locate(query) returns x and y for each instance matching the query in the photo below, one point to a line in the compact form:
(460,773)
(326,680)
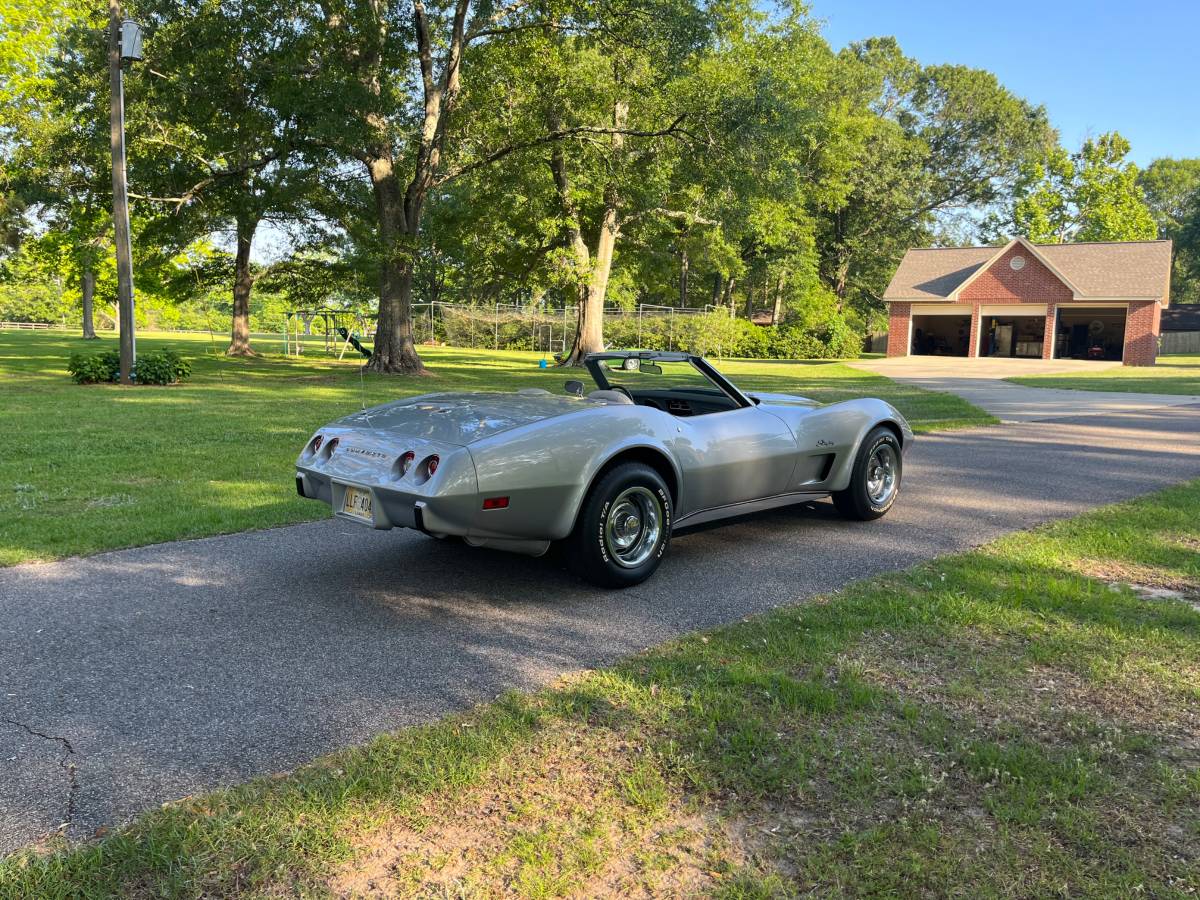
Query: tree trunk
(589,326)
(777,308)
(683,279)
(243,283)
(589,336)
(88,288)
(728,297)
(841,277)
(716,289)
(395,351)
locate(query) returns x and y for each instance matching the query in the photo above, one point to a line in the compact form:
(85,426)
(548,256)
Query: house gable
(999,282)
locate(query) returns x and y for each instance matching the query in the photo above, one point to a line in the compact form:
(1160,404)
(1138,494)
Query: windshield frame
(701,365)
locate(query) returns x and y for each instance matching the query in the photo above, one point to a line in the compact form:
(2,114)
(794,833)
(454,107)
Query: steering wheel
(623,390)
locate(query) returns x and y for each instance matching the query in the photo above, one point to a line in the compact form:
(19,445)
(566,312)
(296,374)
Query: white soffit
(1014,309)
(942,309)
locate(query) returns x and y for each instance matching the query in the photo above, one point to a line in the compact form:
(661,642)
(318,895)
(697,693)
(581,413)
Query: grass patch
(991,724)
(1171,375)
(101,466)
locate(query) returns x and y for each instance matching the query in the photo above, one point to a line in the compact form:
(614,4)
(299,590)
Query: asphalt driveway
(140,676)
(980,381)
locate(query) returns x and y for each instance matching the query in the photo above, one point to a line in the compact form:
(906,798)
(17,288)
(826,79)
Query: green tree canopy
(1092,195)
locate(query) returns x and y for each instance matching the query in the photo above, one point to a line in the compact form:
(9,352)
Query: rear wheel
(623,528)
(875,478)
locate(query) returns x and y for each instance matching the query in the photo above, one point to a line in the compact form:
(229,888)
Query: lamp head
(131,41)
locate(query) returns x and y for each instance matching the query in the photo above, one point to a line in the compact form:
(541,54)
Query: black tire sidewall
(855,497)
(591,558)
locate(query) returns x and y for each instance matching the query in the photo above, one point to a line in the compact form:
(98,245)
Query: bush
(793,342)
(842,341)
(94,368)
(162,367)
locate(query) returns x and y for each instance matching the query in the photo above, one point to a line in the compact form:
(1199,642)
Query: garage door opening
(1018,337)
(941,335)
(1097,333)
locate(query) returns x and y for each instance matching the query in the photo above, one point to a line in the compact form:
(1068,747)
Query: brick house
(1097,301)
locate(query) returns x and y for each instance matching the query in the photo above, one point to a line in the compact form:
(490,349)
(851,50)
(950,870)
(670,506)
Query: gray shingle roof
(1116,269)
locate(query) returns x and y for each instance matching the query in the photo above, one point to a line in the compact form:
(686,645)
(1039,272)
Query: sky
(1132,67)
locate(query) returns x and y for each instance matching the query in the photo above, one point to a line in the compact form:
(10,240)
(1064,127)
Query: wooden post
(116,116)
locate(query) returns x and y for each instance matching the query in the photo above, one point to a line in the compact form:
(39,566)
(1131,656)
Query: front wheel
(875,478)
(623,528)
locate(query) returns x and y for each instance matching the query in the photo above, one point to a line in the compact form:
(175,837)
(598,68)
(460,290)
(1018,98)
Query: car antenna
(362,388)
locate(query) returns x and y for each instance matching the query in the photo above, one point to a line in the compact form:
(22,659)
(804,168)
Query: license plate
(357,503)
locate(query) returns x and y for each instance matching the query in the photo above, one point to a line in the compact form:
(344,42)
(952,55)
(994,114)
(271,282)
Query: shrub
(754,342)
(94,368)
(162,367)
(841,341)
(793,342)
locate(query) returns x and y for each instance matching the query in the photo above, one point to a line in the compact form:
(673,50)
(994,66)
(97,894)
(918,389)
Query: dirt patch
(1134,575)
(1189,542)
(576,814)
(990,681)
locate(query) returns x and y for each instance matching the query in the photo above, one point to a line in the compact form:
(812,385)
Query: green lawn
(1172,375)
(1018,721)
(99,467)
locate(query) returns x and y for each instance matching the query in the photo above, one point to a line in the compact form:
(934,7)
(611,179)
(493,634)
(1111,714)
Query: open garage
(942,333)
(1012,333)
(1094,332)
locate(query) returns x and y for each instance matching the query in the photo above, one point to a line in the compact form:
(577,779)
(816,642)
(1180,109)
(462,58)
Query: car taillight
(431,465)
(333,444)
(316,443)
(405,461)
(495,503)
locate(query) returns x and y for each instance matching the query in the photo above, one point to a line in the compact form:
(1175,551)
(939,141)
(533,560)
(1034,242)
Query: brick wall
(1000,284)
(1048,334)
(1141,333)
(899,317)
(973,347)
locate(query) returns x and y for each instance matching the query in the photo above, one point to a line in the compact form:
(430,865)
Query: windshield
(672,385)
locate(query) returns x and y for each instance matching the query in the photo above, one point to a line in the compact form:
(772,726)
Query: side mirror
(574,388)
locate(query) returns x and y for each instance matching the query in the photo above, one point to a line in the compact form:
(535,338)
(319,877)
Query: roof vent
(1017,263)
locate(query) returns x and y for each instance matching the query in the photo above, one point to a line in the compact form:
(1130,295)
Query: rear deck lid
(462,418)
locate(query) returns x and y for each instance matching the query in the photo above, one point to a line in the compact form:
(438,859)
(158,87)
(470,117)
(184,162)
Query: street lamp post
(124,44)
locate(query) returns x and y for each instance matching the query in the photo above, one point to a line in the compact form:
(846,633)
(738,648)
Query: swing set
(341,329)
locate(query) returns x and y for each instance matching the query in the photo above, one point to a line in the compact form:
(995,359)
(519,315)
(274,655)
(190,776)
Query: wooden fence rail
(1179,342)
(31,326)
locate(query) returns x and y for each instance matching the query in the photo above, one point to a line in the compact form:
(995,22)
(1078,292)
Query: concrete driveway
(980,381)
(141,676)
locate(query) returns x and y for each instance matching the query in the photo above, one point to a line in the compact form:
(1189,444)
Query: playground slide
(354,342)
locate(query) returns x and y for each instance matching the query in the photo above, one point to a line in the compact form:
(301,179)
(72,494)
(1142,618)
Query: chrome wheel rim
(633,526)
(881,474)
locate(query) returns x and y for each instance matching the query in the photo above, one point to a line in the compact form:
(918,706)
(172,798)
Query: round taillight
(333,444)
(406,461)
(431,465)
(316,443)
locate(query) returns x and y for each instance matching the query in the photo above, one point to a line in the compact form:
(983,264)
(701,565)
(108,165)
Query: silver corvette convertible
(663,441)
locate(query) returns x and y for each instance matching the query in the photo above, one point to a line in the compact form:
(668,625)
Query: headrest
(610,397)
